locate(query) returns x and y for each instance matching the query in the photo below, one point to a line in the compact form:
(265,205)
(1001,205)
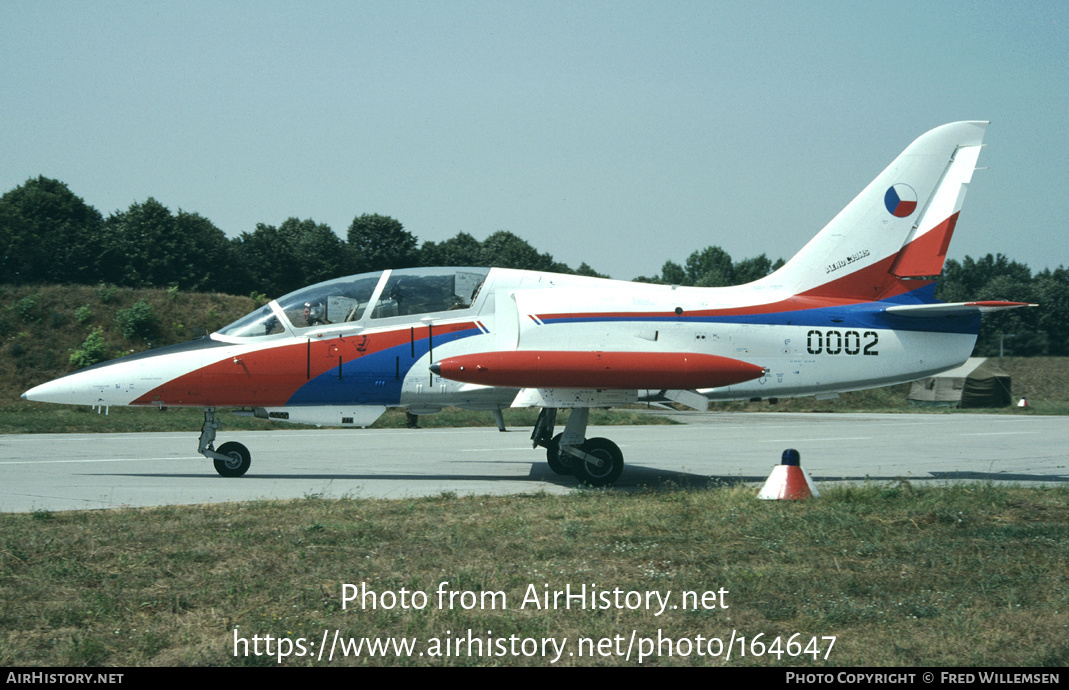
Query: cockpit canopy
(364,298)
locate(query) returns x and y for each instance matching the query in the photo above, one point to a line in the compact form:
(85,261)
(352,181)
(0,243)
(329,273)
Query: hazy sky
(622,134)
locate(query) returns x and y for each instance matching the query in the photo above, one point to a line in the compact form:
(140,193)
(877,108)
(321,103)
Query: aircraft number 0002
(839,343)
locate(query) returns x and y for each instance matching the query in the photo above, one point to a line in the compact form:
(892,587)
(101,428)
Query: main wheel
(237,461)
(604,467)
(560,463)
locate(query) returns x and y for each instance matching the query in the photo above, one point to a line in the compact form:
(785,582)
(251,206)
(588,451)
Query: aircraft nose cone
(57,391)
(436,368)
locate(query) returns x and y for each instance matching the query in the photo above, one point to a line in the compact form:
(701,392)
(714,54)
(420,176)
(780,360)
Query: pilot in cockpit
(313,314)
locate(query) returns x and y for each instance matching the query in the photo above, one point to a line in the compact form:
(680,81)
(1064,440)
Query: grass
(962,575)
(37,418)
(42,325)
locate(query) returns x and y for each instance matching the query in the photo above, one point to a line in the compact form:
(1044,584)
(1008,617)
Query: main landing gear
(232,459)
(594,461)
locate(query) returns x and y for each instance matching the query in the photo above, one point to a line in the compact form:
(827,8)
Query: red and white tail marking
(898,227)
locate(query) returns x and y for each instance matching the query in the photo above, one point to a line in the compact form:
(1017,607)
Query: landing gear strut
(232,459)
(595,461)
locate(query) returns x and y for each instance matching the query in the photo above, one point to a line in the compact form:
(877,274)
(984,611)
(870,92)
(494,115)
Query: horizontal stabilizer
(692,399)
(954,308)
(596,370)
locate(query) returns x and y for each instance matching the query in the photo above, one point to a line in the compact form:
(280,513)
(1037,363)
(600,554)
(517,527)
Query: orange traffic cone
(788,480)
(1023,402)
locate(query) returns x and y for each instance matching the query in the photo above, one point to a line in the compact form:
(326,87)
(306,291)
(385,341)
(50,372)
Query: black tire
(237,462)
(605,468)
(562,464)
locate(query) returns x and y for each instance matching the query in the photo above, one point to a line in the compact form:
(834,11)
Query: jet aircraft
(854,309)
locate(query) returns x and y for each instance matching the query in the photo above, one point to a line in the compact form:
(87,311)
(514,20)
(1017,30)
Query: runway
(93,471)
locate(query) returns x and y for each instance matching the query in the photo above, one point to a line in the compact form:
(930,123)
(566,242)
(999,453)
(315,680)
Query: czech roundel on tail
(854,309)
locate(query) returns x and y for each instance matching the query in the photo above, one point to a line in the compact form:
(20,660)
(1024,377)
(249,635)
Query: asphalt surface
(94,471)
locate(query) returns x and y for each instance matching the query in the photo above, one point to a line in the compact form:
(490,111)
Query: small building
(980,382)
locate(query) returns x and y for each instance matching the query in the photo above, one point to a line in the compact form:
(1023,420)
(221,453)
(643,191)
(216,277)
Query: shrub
(26,308)
(138,321)
(105,292)
(92,351)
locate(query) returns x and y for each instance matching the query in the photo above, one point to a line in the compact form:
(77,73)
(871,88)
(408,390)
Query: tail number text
(842,343)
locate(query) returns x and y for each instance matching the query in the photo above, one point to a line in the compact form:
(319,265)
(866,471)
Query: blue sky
(622,134)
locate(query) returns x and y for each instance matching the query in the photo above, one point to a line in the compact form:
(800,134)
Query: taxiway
(93,471)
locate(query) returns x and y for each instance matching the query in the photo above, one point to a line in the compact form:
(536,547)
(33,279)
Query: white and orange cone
(1023,402)
(789,480)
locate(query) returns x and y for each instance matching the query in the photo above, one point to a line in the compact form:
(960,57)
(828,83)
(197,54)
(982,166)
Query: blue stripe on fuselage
(375,378)
(870,315)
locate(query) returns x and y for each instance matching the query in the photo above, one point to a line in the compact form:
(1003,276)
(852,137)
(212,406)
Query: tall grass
(899,575)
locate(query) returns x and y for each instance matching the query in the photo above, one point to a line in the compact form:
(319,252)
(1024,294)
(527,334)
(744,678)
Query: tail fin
(895,230)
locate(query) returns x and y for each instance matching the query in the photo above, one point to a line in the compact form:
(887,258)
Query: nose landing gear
(232,459)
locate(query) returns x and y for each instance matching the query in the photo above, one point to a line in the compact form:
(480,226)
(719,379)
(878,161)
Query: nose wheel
(232,459)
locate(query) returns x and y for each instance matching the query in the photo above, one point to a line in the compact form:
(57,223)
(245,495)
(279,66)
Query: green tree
(711,267)
(48,235)
(508,250)
(1050,289)
(1022,324)
(461,250)
(996,277)
(749,270)
(963,281)
(585,270)
(211,264)
(148,246)
(318,253)
(671,274)
(269,260)
(380,242)
(140,245)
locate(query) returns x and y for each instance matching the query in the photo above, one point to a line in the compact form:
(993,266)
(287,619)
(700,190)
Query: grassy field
(35,418)
(41,326)
(899,576)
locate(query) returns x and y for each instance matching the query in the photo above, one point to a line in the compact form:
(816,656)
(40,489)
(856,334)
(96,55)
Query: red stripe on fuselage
(870,284)
(270,376)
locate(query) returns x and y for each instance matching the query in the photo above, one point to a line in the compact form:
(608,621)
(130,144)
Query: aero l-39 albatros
(855,308)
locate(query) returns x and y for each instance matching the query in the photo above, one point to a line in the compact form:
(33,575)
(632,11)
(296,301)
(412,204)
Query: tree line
(50,235)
